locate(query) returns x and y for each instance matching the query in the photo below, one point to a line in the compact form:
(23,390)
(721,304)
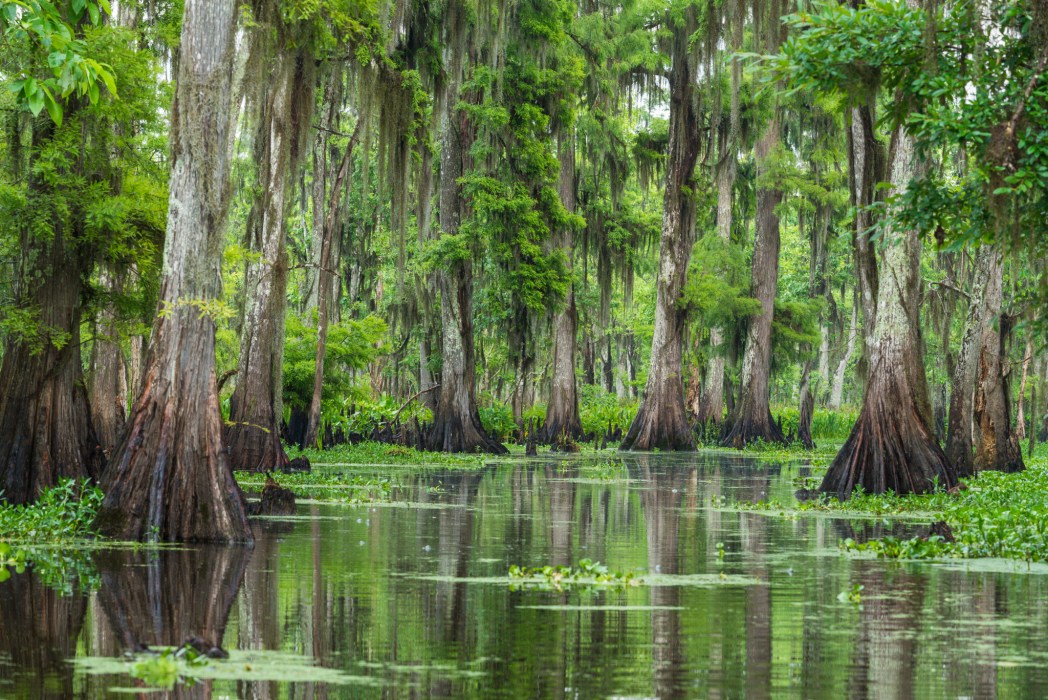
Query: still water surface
(410,599)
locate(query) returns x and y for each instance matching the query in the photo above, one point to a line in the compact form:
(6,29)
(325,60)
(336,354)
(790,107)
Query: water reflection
(39,629)
(400,600)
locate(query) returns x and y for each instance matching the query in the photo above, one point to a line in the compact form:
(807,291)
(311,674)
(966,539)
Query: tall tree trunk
(997,447)
(837,389)
(108,375)
(1020,412)
(456,421)
(169,478)
(866,170)
(327,288)
(562,410)
(988,279)
(807,408)
(45,421)
(893,446)
(661,422)
(711,404)
(256,406)
(752,421)
(1035,409)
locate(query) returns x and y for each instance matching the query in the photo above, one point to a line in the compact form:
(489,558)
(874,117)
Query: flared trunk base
(890,449)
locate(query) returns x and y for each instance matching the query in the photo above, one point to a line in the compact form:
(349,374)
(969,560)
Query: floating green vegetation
(380,454)
(587,573)
(328,484)
(165,669)
(650,579)
(169,667)
(916,508)
(602,608)
(993,515)
(63,513)
(53,536)
(853,595)
(604,470)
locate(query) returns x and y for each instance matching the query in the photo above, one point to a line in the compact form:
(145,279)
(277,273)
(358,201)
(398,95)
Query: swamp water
(411,599)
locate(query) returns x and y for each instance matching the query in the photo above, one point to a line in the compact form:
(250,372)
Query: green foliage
(497,419)
(588,573)
(49,536)
(63,513)
(600,411)
(718,286)
(965,78)
(329,484)
(52,62)
(351,346)
(834,426)
(168,668)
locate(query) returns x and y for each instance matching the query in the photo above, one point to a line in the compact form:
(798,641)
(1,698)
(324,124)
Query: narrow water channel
(410,599)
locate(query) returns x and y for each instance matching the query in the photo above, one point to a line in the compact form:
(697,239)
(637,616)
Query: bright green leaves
(351,346)
(835,47)
(515,224)
(53,61)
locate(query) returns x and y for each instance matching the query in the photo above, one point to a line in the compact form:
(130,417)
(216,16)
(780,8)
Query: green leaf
(4,574)
(35,100)
(109,80)
(53,108)
(92,10)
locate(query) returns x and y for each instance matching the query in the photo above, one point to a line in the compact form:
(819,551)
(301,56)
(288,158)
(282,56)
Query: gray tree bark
(752,421)
(893,446)
(661,422)
(256,406)
(562,413)
(169,478)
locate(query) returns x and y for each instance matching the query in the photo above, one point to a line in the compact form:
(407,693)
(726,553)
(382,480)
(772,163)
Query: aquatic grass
(993,515)
(327,484)
(379,453)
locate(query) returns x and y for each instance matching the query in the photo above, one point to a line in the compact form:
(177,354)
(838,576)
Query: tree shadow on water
(169,598)
(39,628)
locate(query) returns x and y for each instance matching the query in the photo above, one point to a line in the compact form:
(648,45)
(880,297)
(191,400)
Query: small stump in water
(276,500)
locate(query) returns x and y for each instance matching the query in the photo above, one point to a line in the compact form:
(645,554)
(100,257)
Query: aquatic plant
(169,667)
(62,513)
(378,453)
(992,515)
(586,573)
(328,485)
